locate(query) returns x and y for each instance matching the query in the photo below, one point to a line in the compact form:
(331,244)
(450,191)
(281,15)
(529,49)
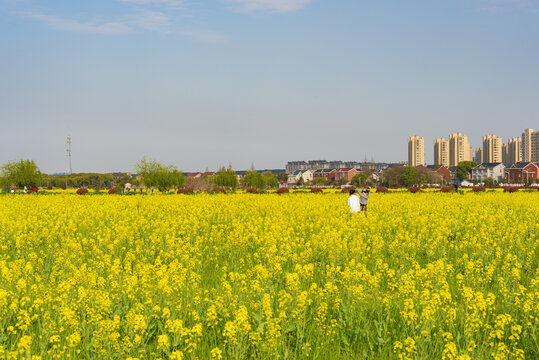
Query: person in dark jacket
(363,198)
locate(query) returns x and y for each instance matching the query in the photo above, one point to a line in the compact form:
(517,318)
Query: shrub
(446,189)
(218,189)
(82,191)
(347,189)
(316,191)
(478,188)
(251,190)
(414,189)
(282,190)
(381,189)
(510,189)
(185,191)
(49,187)
(64,187)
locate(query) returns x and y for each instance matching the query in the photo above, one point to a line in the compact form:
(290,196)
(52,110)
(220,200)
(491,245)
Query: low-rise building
(445,173)
(483,171)
(294,177)
(522,172)
(344,176)
(307,176)
(327,174)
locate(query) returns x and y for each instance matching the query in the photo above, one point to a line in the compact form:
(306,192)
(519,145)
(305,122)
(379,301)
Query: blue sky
(203,83)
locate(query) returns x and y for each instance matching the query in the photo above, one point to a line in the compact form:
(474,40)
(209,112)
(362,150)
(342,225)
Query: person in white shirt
(353,203)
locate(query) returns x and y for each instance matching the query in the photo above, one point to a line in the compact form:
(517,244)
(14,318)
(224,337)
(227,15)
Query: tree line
(150,173)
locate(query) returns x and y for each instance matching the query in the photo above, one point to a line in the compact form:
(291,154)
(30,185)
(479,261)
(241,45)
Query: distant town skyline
(201,84)
(457,148)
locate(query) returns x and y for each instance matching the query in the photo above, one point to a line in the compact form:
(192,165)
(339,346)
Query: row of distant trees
(23,173)
(411,176)
(150,173)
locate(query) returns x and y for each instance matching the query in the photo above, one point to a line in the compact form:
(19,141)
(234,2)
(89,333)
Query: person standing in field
(353,203)
(364,197)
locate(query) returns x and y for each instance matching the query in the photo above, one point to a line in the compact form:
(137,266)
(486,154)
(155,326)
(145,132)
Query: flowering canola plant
(238,276)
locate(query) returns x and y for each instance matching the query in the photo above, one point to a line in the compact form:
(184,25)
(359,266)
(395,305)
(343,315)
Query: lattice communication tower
(68,153)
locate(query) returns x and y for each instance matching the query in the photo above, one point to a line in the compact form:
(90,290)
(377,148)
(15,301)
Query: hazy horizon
(204,84)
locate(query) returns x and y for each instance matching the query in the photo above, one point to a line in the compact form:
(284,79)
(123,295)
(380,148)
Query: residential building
(327,174)
(344,176)
(307,176)
(313,165)
(294,177)
(445,173)
(527,145)
(478,158)
(459,149)
(293,166)
(441,152)
(511,151)
(416,151)
(483,171)
(523,171)
(492,149)
(535,146)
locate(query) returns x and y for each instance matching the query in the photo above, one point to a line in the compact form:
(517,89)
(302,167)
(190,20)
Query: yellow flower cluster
(235,276)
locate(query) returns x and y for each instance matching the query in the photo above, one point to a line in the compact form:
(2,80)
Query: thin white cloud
(271,5)
(207,36)
(149,20)
(107,28)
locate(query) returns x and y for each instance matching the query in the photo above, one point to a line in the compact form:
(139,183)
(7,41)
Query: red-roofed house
(344,176)
(444,173)
(327,174)
(522,172)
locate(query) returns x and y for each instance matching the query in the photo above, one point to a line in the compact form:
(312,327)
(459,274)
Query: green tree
(254,179)
(320,181)
(270,179)
(160,176)
(489,181)
(409,176)
(359,179)
(281,176)
(226,178)
(464,168)
(21,173)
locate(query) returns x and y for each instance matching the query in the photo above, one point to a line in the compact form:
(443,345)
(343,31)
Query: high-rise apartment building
(478,158)
(535,146)
(416,151)
(441,152)
(511,151)
(505,153)
(459,149)
(492,149)
(527,139)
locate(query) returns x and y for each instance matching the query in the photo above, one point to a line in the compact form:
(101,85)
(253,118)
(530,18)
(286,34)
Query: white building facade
(483,171)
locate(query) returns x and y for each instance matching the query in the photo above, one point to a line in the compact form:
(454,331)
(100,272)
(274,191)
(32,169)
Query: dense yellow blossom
(239,276)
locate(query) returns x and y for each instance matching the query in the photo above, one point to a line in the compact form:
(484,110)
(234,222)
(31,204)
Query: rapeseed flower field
(266,276)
